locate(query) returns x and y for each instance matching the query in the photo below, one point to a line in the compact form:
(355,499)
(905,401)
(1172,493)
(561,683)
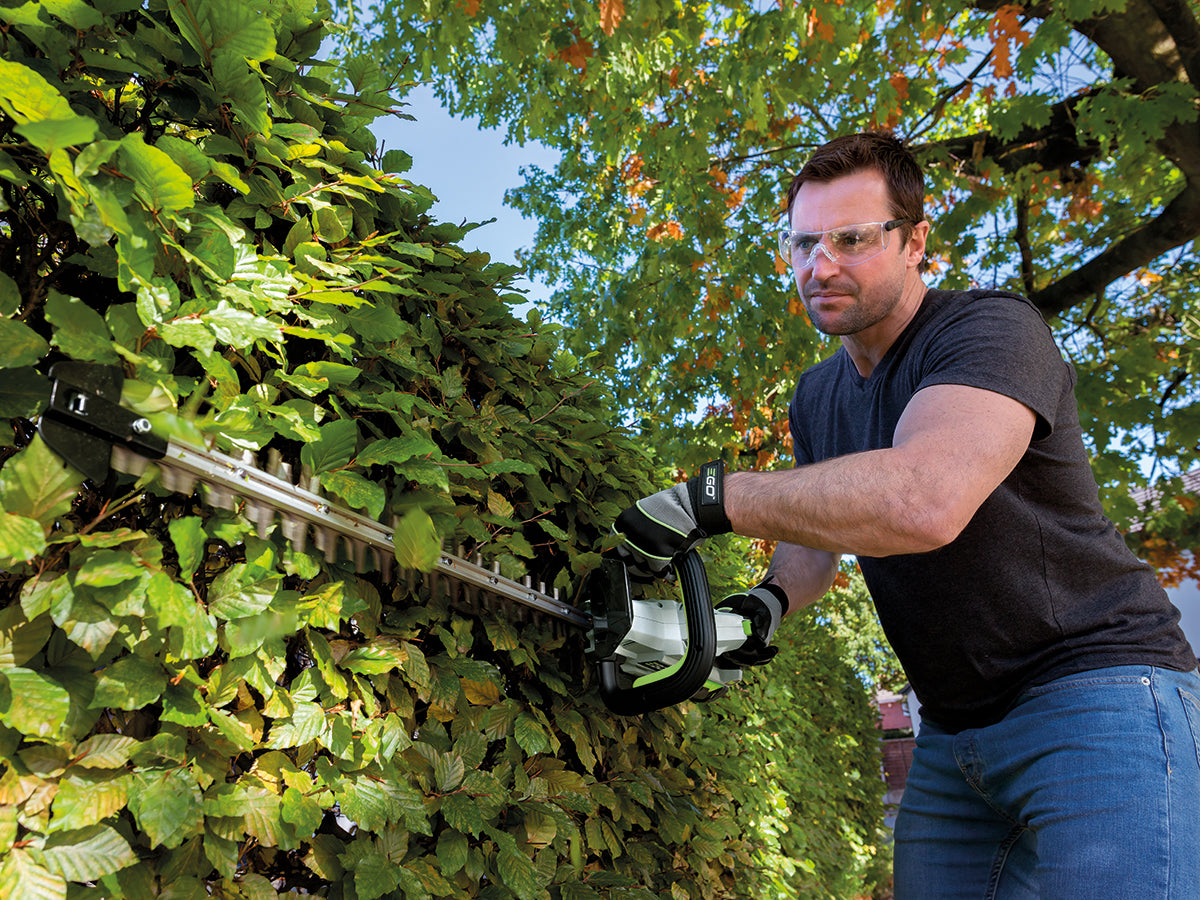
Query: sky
(469,169)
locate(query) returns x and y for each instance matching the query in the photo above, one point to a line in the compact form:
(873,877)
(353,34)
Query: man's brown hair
(878,150)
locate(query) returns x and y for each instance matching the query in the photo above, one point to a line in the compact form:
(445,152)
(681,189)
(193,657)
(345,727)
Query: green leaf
(22,878)
(332,223)
(105,751)
(75,13)
(331,374)
(10,294)
(129,683)
(394,450)
(166,805)
(239,328)
(157,179)
(37,484)
(373,659)
(452,849)
(193,630)
(449,771)
(372,804)
(187,534)
(80,332)
(88,798)
(21,639)
(461,812)
(34,104)
(88,853)
(108,568)
(23,392)
(334,449)
(375,875)
(517,871)
(356,491)
(21,539)
(304,813)
(224,26)
(21,345)
(33,704)
(241,591)
(530,735)
(416,540)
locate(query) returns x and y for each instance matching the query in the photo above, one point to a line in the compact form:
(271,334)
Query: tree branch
(1177,224)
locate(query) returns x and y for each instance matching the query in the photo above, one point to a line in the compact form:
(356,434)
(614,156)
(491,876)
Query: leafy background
(1060,141)
(190,709)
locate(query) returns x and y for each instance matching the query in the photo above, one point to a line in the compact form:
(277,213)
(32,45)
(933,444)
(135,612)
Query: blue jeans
(1088,788)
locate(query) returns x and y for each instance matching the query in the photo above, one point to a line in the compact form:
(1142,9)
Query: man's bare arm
(952,447)
(804,574)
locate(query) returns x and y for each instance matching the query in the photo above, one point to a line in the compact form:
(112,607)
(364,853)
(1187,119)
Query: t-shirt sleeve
(1002,344)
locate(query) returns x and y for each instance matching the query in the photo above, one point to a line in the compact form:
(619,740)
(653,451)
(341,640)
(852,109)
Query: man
(1059,754)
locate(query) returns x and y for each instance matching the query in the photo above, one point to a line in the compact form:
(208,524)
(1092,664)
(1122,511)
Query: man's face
(841,299)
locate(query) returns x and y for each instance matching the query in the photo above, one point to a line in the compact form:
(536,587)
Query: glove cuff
(780,595)
(707,493)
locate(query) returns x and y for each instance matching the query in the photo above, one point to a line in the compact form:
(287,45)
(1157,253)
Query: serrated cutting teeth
(124,460)
(179,481)
(294,530)
(262,497)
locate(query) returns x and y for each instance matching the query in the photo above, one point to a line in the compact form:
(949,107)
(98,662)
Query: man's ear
(915,251)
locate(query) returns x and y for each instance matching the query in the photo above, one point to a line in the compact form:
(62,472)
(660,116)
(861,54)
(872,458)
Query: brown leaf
(611,14)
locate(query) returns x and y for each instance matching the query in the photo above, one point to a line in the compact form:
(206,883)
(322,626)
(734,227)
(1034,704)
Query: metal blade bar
(265,495)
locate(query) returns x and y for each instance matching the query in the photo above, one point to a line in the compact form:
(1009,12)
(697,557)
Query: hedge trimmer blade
(87,426)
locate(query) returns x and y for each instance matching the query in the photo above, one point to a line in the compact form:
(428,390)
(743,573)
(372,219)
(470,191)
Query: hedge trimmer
(649,653)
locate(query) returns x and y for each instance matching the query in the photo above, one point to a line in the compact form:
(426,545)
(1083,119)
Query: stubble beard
(858,316)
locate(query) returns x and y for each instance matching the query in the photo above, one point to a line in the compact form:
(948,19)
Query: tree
(1062,144)
(191,707)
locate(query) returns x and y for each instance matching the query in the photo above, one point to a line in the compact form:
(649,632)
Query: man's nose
(822,260)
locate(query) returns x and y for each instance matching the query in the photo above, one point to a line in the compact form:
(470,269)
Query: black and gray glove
(763,607)
(662,526)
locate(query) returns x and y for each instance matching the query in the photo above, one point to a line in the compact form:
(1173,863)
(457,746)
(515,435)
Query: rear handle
(692,672)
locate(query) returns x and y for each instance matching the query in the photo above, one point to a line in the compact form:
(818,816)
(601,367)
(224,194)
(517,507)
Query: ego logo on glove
(710,484)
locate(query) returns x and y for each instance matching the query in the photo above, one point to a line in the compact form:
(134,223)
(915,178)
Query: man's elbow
(934,525)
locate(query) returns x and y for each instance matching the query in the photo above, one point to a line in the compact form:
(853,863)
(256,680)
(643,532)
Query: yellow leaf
(481,693)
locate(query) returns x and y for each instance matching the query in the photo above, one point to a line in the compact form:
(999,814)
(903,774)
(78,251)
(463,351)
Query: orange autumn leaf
(611,14)
(662,230)
(899,82)
(577,54)
(1004,30)
(471,7)
(818,26)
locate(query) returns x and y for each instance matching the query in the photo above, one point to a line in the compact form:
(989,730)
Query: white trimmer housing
(656,640)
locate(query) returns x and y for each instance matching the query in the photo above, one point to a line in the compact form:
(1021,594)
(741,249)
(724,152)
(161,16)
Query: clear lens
(847,245)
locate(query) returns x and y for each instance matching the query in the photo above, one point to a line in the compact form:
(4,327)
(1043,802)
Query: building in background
(899,722)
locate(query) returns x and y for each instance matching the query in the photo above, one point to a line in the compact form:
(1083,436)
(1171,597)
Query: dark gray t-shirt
(1040,584)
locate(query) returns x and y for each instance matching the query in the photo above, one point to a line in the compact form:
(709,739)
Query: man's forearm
(865,504)
(804,574)
(952,446)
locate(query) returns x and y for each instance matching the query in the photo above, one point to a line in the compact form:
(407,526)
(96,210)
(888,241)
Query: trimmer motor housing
(655,653)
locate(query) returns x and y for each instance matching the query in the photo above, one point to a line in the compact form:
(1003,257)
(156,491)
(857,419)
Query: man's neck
(868,347)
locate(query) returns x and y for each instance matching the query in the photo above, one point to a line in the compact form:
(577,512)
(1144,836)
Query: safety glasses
(846,245)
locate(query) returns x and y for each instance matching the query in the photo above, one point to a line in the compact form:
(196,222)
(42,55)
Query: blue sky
(468,169)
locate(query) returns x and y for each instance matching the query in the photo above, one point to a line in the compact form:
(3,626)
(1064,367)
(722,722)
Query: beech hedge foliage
(189,709)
